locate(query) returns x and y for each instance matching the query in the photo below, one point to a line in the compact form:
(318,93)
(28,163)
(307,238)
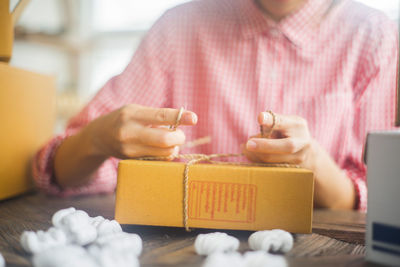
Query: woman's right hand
(134,131)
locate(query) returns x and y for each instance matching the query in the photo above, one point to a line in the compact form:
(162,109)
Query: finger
(282,122)
(160,137)
(276,146)
(163,116)
(249,155)
(136,151)
(297,158)
(174,153)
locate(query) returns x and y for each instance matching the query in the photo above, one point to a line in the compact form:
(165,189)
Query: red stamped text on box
(219,201)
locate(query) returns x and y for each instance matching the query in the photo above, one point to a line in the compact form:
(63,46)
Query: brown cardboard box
(27,115)
(7,21)
(220,196)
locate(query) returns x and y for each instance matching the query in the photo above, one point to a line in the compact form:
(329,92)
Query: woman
(326,68)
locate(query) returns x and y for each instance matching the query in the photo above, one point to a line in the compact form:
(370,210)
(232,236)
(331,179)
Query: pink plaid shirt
(333,65)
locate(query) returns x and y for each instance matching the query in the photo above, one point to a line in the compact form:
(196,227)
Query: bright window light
(128,15)
(390,7)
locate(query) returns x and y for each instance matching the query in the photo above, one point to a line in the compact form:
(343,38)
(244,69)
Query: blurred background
(85,42)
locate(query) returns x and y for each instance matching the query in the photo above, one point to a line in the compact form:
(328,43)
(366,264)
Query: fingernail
(251,145)
(265,117)
(189,118)
(194,118)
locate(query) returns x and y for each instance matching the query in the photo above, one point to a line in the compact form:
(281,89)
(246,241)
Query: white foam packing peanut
(64,256)
(62,245)
(220,259)
(105,226)
(117,250)
(59,215)
(108,257)
(121,242)
(206,244)
(77,225)
(250,259)
(2,261)
(271,240)
(262,258)
(35,242)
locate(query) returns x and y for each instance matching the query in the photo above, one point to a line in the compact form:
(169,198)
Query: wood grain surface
(337,238)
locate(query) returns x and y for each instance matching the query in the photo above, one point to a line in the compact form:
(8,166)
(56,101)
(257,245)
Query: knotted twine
(192,159)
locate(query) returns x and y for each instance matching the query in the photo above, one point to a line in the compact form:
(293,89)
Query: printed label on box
(219,201)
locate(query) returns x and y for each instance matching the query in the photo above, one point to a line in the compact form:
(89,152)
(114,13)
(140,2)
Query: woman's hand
(290,141)
(129,132)
(136,131)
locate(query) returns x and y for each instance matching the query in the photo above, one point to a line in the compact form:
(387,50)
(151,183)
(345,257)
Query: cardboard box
(220,196)
(383,216)
(7,21)
(27,116)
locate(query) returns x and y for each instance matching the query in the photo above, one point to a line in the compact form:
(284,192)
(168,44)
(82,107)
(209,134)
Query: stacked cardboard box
(27,112)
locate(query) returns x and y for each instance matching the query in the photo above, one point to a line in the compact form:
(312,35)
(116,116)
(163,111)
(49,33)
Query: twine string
(178,119)
(197,158)
(192,159)
(268,134)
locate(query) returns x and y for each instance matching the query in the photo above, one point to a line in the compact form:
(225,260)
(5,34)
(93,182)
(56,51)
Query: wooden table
(337,238)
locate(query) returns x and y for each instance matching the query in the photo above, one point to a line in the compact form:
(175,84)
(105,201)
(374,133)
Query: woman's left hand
(290,141)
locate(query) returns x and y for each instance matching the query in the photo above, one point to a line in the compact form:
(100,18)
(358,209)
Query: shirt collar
(300,27)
